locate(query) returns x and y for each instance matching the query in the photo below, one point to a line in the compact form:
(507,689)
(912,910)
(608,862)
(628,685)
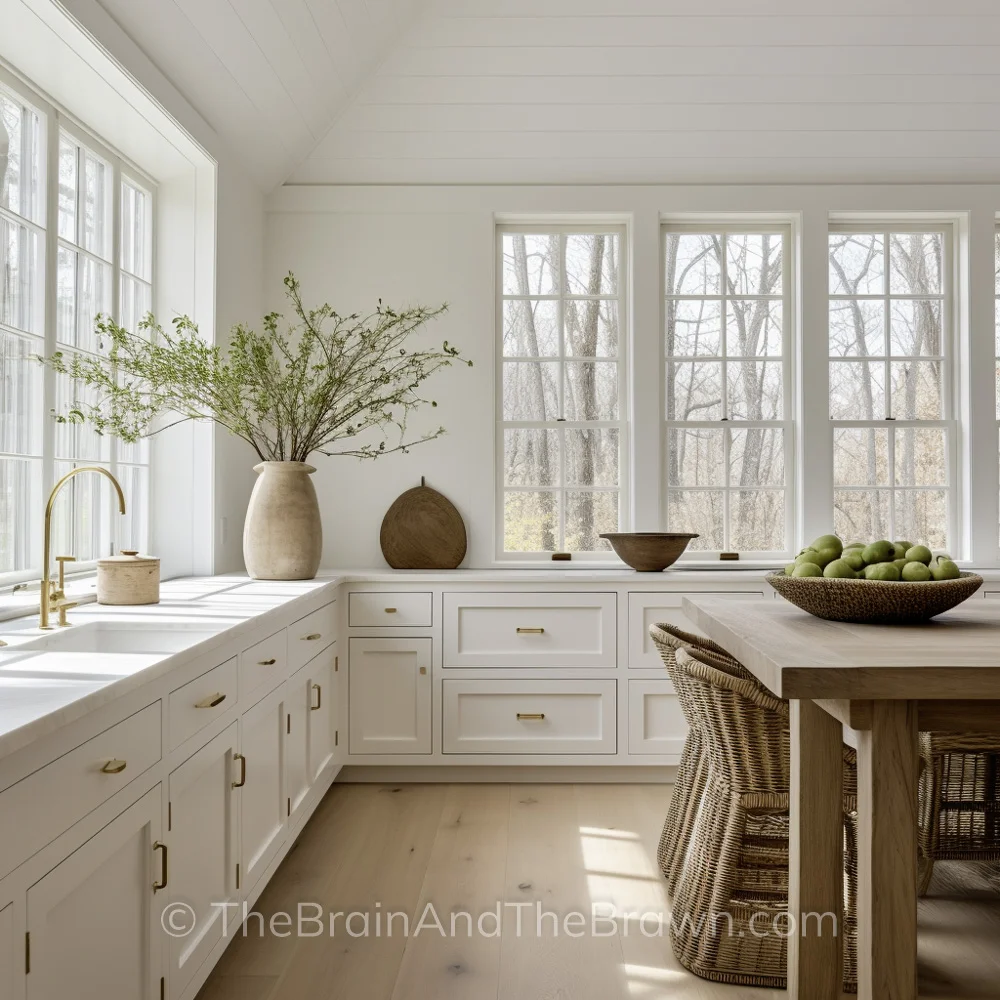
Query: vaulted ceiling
(581,91)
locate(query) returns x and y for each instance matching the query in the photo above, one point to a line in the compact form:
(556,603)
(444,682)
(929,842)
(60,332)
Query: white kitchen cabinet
(203,842)
(656,722)
(298,694)
(11,955)
(323,708)
(94,920)
(390,696)
(263,804)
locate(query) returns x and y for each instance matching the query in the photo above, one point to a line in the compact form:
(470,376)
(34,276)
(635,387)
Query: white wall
(350,245)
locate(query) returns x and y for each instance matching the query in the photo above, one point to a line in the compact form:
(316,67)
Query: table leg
(815,853)
(887,853)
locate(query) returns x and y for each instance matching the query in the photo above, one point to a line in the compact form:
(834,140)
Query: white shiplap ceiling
(582,91)
(585,91)
(270,76)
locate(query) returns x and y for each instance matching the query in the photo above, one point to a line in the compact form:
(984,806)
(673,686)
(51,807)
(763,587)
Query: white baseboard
(528,774)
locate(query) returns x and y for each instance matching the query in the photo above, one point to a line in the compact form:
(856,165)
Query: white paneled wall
(431,244)
(612,91)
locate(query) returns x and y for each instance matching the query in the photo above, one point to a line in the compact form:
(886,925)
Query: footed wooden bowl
(874,602)
(648,551)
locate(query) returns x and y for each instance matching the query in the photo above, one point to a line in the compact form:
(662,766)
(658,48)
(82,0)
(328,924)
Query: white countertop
(42,690)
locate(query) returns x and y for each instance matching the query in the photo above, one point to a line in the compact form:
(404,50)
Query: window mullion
(561,321)
(112,518)
(51,181)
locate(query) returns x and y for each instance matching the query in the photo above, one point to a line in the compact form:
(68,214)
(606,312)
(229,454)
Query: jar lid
(128,557)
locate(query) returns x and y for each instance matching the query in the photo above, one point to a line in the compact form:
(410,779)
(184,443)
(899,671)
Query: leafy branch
(294,389)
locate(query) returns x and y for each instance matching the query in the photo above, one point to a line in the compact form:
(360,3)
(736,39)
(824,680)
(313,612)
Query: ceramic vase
(283,533)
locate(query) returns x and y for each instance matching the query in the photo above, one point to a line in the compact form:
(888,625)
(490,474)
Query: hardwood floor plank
(465,874)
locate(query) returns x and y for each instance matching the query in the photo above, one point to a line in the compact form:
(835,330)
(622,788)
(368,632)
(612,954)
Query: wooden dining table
(886,683)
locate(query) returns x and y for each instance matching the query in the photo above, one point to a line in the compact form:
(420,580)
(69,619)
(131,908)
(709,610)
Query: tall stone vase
(283,533)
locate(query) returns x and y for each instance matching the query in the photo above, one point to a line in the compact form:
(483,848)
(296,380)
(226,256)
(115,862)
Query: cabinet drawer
(45,804)
(536,717)
(201,701)
(264,666)
(656,724)
(656,609)
(529,630)
(380,610)
(311,635)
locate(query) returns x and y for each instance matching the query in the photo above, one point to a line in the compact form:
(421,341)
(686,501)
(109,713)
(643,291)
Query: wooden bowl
(874,602)
(648,551)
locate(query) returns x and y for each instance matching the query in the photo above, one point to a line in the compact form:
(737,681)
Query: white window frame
(950,400)
(54,120)
(581,225)
(735,227)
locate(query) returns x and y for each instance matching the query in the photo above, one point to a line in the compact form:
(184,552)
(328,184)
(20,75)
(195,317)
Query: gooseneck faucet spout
(54,596)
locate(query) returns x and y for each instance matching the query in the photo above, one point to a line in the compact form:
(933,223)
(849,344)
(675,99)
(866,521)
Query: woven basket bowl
(874,602)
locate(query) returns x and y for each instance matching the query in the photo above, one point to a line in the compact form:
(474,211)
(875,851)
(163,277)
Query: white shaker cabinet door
(203,854)
(94,920)
(390,696)
(297,777)
(263,802)
(323,708)
(11,956)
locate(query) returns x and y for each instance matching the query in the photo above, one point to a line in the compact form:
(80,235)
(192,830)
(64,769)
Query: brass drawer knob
(312,637)
(531,631)
(531,715)
(423,671)
(267,663)
(211,701)
(114,767)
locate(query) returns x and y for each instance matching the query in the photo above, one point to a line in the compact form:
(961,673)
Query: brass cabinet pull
(243,770)
(531,715)
(313,637)
(211,701)
(319,698)
(164,871)
(390,611)
(423,671)
(530,631)
(267,663)
(114,767)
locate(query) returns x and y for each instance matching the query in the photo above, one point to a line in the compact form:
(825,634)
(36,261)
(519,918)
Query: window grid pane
(725,392)
(889,356)
(561,381)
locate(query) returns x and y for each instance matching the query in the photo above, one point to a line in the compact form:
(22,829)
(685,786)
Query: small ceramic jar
(128,578)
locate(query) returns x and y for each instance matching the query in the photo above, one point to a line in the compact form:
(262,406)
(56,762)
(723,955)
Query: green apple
(900,563)
(828,542)
(945,569)
(916,572)
(824,556)
(919,553)
(840,569)
(878,552)
(810,558)
(807,569)
(853,558)
(882,571)
(901,548)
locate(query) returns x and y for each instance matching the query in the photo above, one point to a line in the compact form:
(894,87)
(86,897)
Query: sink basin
(122,637)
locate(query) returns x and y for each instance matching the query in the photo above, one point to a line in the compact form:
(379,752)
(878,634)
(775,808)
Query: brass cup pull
(531,715)
(114,767)
(531,631)
(319,698)
(267,663)
(164,871)
(243,770)
(211,701)
(390,611)
(313,637)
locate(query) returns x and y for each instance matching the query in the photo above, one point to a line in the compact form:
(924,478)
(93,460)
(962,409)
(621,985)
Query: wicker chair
(731,892)
(959,800)
(689,782)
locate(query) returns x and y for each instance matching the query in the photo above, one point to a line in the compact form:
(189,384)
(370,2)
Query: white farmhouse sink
(122,637)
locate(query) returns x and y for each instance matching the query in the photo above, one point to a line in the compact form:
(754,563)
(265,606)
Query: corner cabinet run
(561,673)
(131,838)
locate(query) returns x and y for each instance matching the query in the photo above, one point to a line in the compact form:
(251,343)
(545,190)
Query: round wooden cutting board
(423,530)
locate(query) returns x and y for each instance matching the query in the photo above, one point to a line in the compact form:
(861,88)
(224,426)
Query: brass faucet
(54,595)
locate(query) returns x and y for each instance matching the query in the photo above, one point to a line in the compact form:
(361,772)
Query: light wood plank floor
(381,848)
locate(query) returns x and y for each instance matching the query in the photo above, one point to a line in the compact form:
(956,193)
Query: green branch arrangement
(321,379)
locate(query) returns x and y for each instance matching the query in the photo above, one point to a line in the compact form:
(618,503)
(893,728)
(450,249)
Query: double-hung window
(71,208)
(727,387)
(891,403)
(561,395)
